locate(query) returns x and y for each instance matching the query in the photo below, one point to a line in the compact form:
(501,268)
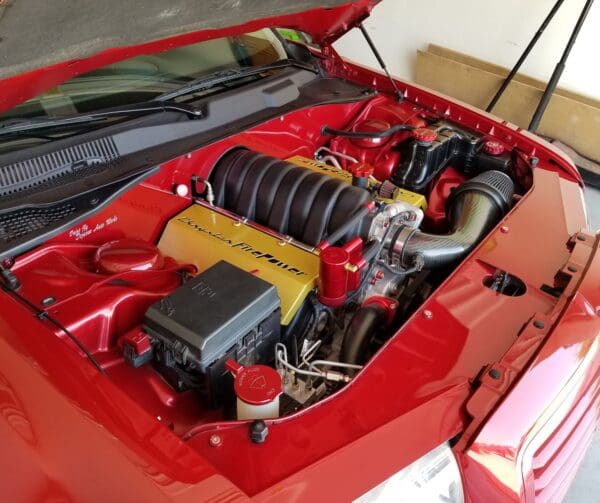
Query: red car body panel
(70,433)
(531,446)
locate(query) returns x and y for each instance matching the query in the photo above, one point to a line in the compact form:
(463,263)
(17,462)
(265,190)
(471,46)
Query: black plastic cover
(422,161)
(212,312)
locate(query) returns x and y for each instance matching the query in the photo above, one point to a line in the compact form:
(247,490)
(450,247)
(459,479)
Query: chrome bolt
(427,314)
(48,301)
(215,440)
(504,229)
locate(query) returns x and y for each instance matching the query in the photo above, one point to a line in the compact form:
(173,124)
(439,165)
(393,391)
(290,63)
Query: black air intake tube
(474,209)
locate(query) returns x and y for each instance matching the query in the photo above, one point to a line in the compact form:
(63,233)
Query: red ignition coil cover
(256,384)
(425,135)
(125,255)
(493,147)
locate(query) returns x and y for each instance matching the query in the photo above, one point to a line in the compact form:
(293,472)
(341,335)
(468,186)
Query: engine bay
(257,276)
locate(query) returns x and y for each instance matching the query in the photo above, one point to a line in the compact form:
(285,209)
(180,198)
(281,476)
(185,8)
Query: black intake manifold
(304,204)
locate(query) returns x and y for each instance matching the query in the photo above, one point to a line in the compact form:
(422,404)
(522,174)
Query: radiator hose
(360,332)
(473,209)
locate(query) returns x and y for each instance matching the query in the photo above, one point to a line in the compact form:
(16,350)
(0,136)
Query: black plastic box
(224,312)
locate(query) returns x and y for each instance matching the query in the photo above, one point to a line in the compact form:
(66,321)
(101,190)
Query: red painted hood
(39,52)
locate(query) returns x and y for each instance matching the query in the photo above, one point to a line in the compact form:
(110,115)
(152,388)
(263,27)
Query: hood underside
(43,44)
(38,34)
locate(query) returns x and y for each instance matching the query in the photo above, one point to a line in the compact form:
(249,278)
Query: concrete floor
(586,487)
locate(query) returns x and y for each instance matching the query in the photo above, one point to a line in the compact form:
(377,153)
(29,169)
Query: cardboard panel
(571,118)
(502,72)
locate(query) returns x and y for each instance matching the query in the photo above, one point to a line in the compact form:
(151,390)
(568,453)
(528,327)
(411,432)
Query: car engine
(303,265)
(274,280)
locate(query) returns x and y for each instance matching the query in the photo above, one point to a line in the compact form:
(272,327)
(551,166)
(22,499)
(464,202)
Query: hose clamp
(398,243)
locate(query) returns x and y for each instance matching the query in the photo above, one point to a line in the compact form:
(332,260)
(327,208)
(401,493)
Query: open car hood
(46,43)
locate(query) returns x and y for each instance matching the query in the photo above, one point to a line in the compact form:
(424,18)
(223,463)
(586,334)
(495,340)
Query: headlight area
(434,477)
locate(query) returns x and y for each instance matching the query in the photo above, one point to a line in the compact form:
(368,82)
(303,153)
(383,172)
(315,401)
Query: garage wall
(492,30)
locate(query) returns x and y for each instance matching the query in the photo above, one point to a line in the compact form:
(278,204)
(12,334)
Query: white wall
(493,30)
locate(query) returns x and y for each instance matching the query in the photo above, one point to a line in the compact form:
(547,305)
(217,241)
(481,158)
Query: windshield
(144,77)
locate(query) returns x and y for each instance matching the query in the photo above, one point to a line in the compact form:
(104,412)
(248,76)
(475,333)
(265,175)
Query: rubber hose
(360,332)
(326,130)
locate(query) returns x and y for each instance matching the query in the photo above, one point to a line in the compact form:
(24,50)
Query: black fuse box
(223,312)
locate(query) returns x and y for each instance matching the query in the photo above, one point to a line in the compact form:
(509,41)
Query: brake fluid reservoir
(257,388)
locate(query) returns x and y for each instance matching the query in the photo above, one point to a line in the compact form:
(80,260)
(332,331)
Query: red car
(236,266)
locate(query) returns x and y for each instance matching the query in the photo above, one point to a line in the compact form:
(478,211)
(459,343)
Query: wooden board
(571,118)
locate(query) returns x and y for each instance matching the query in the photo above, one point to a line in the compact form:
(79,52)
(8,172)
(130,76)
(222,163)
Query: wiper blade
(162,103)
(20,126)
(224,76)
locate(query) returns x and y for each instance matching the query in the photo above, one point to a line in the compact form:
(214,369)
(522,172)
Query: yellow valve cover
(409,197)
(201,236)
(321,167)
(417,200)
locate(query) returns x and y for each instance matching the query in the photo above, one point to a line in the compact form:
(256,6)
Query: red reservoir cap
(425,135)
(256,384)
(361,170)
(493,147)
(125,255)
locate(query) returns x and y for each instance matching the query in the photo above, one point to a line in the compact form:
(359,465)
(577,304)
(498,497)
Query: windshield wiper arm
(162,103)
(224,76)
(18,126)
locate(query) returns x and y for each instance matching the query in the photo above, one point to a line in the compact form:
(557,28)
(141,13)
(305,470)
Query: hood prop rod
(377,55)
(558,70)
(524,56)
